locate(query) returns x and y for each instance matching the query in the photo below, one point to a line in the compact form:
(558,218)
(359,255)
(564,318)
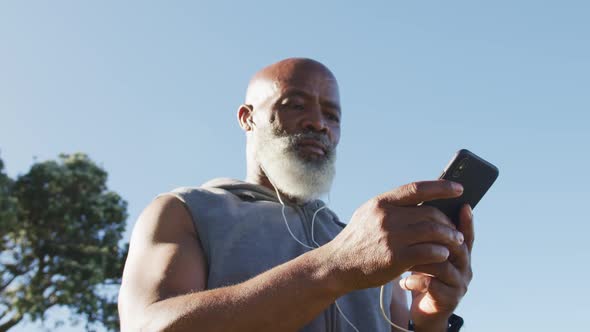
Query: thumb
(416,282)
(417,192)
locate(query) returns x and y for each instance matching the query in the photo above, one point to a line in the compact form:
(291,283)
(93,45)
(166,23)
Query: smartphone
(474,173)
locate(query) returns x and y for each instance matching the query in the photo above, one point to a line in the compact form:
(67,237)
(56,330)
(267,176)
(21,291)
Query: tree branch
(14,269)
(2,287)
(11,322)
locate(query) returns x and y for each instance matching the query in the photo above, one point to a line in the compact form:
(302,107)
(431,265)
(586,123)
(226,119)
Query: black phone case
(474,173)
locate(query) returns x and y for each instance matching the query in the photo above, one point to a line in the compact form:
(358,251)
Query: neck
(255,174)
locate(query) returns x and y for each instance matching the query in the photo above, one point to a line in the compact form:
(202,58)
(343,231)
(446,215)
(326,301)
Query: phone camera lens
(459,170)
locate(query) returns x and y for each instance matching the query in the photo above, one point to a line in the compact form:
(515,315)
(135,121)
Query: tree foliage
(61,229)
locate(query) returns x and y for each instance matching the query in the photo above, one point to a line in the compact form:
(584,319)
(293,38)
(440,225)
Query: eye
(333,117)
(292,106)
(293,103)
(298,107)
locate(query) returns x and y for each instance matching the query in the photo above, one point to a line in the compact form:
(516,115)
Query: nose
(314,120)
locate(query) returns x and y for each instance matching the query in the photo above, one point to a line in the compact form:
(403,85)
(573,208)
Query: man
(266,255)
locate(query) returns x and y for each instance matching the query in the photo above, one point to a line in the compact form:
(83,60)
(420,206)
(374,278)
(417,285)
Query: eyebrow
(302,93)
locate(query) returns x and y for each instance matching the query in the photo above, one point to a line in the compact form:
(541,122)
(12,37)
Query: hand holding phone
(474,173)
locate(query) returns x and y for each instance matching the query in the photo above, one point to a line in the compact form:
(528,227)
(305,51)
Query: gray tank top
(243,234)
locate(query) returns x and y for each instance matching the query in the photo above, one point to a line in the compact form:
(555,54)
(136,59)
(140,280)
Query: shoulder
(337,221)
(165,242)
(198,195)
(335,218)
(165,216)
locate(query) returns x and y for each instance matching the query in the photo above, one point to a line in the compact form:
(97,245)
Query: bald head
(293,72)
(292,120)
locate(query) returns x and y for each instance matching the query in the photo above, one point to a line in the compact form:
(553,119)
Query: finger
(416,283)
(431,213)
(431,232)
(466,226)
(424,253)
(460,257)
(446,295)
(446,272)
(418,192)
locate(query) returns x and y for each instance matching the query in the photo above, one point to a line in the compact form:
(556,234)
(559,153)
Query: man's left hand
(438,288)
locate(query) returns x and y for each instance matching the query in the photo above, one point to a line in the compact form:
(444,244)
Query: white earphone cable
(285,219)
(318,245)
(385,314)
(305,245)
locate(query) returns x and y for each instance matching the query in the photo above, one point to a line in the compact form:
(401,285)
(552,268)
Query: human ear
(245,115)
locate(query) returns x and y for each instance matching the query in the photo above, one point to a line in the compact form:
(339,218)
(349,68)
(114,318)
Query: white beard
(287,170)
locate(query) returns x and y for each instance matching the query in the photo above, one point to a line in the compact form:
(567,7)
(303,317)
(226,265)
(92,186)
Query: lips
(313,146)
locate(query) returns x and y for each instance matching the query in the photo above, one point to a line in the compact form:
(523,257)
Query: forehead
(307,77)
(314,83)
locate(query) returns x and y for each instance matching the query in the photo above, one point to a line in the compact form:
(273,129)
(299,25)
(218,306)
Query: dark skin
(294,96)
(386,236)
(309,100)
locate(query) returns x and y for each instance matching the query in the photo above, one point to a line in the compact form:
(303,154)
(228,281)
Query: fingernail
(457,187)
(470,211)
(402,283)
(460,237)
(446,254)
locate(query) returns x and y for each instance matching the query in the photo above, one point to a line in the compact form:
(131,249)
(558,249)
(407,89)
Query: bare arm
(165,277)
(163,285)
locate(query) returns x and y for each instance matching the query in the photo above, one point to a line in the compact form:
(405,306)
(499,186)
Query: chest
(250,238)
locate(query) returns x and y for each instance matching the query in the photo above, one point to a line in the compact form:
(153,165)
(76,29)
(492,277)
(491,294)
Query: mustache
(296,139)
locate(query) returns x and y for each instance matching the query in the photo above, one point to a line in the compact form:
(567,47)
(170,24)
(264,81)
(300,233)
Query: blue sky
(150,90)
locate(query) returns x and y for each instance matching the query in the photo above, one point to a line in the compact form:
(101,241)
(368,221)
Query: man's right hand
(390,234)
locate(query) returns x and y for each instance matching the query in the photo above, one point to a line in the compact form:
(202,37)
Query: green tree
(61,229)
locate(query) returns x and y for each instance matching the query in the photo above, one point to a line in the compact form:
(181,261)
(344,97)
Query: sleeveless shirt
(243,234)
